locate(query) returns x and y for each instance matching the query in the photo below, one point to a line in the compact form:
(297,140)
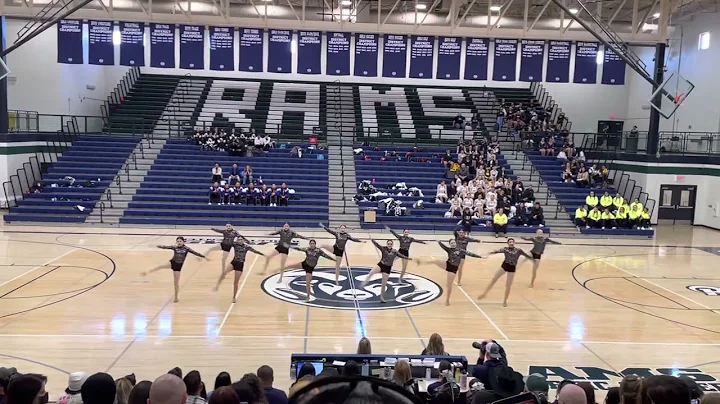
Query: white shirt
(562,155)
(441,190)
(259,141)
(217,170)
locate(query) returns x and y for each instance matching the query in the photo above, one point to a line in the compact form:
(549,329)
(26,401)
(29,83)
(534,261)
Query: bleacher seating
(175,190)
(425,176)
(141,108)
(571,196)
(90,158)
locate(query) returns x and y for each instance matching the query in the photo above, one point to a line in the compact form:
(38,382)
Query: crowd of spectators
(239,143)
(490,379)
(480,192)
(612,212)
(247,190)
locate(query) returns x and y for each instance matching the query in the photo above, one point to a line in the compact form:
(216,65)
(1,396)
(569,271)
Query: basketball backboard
(673,92)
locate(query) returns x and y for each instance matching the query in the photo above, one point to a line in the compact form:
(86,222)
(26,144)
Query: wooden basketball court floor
(72,298)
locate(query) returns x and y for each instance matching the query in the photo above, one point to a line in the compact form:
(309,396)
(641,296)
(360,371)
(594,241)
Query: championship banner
(585,62)
(476,58)
(613,69)
(505,59)
(448,64)
(100,43)
(532,53)
(366,55)
(558,63)
(421,56)
(394,56)
(250,58)
(162,45)
(309,52)
(280,51)
(132,43)
(221,48)
(69,42)
(192,45)
(338,53)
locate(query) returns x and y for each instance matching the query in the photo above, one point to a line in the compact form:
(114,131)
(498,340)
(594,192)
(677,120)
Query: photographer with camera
(492,355)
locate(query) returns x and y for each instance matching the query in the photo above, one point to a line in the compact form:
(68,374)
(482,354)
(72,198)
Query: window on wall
(704,41)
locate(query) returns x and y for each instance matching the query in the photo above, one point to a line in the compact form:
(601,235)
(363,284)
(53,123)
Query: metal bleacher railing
(117,96)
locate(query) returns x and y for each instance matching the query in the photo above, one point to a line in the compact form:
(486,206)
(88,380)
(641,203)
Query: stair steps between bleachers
(341,178)
(181,108)
(130,180)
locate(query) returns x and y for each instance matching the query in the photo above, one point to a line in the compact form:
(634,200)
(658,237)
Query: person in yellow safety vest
(634,216)
(591,200)
(607,219)
(619,201)
(645,219)
(637,203)
(594,219)
(621,218)
(581,214)
(606,200)
(500,221)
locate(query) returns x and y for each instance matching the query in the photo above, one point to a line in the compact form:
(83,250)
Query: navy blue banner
(309,52)
(505,59)
(192,47)
(448,64)
(132,45)
(394,56)
(69,42)
(338,54)
(221,48)
(585,62)
(250,58)
(476,58)
(421,56)
(558,63)
(100,43)
(532,54)
(613,68)
(280,51)
(366,54)
(162,45)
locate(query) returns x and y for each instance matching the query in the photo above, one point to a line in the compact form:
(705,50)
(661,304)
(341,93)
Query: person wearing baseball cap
(493,358)
(536,383)
(72,392)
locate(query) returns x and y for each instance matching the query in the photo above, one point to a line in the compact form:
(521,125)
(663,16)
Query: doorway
(677,203)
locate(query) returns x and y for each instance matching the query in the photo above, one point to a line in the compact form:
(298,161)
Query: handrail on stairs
(108,196)
(118,182)
(102,209)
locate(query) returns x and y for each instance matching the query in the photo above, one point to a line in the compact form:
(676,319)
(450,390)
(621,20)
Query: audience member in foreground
(224,395)
(99,389)
(27,389)
(168,389)
(274,396)
(140,393)
(710,398)
(72,392)
(194,385)
(665,389)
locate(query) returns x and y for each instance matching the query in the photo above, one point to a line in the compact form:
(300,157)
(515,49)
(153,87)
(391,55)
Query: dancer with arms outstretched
(455,256)
(283,248)
(180,252)
(462,240)
(341,239)
(229,234)
(388,256)
(539,243)
(241,247)
(509,265)
(405,242)
(312,256)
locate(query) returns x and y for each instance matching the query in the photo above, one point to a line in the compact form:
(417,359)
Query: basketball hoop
(671,94)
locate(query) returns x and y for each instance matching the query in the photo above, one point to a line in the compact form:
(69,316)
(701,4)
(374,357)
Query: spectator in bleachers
(645,219)
(168,389)
(459,121)
(296,152)
(583,178)
(274,396)
(247,175)
(594,173)
(441,195)
(455,206)
(500,221)
(619,201)
(606,201)
(491,202)
(467,219)
(572,394)
(537,216)
(621,218)
(274,195)
(562,157)
(634,216)
(664,389)
(215,194)
(252,194)
(463,174)
(283,195)
(235,174)
(446,159)
(546,148)
(607,219)
(221,380)
(217,173)
(268,143)
(591,200)
(265,194)
(25,389)
(228,194)
(637,204)
(99,389)
(594,218)
(569,148)
(140,393)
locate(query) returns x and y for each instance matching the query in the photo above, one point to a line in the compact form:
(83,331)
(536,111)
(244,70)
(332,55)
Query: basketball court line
(240,288)
(409,339)
(505,337)
(38,267)
(658,286)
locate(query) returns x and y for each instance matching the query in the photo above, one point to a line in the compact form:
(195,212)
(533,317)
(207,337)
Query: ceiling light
(656,15)
(495,8)
(421,6)
(346,2)
(573,11)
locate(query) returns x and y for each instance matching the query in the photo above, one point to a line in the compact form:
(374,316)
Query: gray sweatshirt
(180,252)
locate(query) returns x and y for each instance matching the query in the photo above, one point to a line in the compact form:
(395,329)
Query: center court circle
(349,295)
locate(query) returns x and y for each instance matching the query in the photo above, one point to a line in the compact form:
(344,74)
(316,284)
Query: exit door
(677,203)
